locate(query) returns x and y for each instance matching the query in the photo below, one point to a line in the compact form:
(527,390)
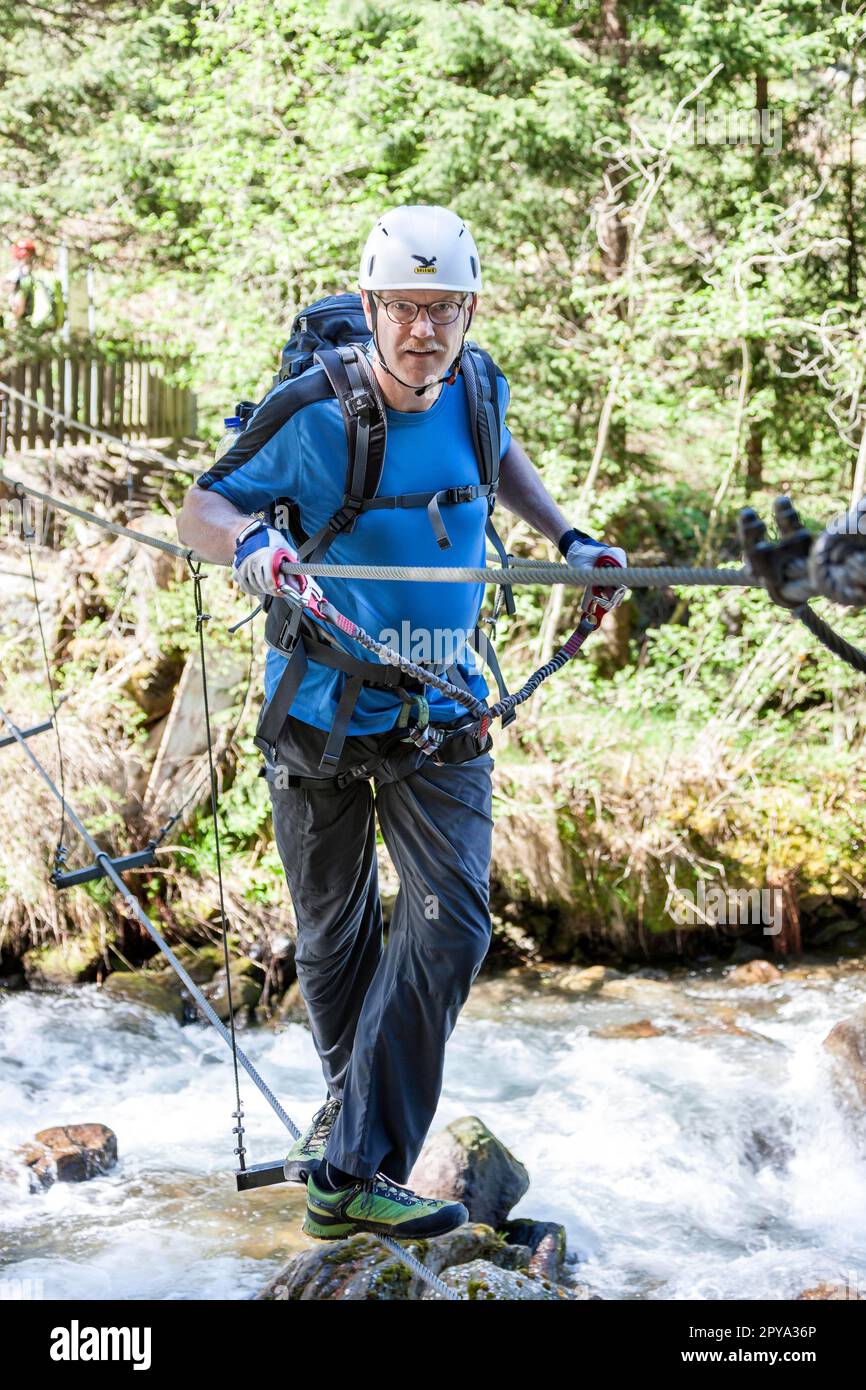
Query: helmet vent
(474,265)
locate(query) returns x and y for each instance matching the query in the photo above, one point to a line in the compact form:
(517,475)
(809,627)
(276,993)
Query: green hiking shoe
(307,1153)
(378,1205)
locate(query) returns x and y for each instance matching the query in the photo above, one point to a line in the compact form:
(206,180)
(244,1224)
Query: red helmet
(22,249)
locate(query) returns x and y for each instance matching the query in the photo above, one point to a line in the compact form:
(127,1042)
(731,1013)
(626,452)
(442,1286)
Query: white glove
(259,553)
(585,553)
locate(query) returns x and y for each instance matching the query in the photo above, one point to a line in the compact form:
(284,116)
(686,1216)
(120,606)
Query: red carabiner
(598,601)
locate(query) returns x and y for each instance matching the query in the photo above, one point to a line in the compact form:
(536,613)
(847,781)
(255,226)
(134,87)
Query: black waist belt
(466,738)
(358,673)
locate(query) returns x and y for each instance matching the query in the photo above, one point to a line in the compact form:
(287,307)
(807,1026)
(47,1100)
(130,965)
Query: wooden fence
(129,397)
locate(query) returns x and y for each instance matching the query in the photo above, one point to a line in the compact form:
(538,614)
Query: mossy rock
(200,962)
(71,962)
(248,969)
(291,1008)
(246,987)
(482,1281)
(159,990)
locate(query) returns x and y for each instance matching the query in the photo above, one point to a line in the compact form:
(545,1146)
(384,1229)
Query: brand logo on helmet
(427,266)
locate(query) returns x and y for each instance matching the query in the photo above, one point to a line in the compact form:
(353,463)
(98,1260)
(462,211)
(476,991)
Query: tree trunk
(782,884)
(754,479)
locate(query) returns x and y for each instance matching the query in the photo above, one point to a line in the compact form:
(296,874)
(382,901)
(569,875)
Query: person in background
(31,299)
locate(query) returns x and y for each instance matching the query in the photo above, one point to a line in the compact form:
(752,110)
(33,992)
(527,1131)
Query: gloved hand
(259,553)
(587,552)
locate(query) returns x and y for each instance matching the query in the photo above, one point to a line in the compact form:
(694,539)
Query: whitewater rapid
(687,1165)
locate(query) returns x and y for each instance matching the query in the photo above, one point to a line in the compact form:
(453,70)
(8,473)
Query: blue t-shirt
(303,457)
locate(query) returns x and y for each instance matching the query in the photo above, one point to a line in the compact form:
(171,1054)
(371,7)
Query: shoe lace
(324,1119)
(380,1186)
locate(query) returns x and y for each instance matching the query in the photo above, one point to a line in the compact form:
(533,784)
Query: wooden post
(32,389)
(84,416)
(73,407)
(134,397)
(121,396)
(18,411)
(66,393)
(52,401)
(110,384)
(98,405)
(46,424)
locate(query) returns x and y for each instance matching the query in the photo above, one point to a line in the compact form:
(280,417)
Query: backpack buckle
(349,511)
(461,494)
(360,403)
(287,647)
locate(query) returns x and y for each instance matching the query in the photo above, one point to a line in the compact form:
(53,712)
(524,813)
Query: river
(708,1162)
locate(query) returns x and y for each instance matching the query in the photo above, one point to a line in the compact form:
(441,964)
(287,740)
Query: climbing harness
(469,735)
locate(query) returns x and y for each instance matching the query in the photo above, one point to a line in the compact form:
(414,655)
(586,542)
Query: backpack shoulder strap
(362,416)
(366,430)
(483,398)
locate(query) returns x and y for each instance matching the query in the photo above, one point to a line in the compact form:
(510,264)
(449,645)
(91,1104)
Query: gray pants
(381,1015)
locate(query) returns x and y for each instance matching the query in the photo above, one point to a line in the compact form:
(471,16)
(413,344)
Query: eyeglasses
(405,311)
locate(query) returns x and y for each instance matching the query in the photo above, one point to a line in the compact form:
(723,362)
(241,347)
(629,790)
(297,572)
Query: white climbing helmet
(420,247)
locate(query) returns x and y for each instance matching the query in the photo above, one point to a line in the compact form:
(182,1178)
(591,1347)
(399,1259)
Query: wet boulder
(247,981)
(200,962)
(846,1044)
(362,1268)
(545,1242)
(159,990)
(467,1163)
(755,972)
(73,961)
(69,1153)
(584,981)
(826,1292)
(292,1008)
(482,1281)
(639,1028)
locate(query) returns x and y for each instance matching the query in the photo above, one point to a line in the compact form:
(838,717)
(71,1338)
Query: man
(30,298)
(380,1017)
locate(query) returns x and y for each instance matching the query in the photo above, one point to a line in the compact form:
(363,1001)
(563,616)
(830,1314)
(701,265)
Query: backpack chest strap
(452,496)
